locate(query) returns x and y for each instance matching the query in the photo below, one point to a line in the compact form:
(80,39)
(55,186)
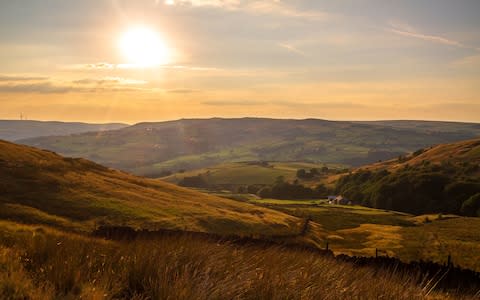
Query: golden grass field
(357,230)
(37,262)
(65,199)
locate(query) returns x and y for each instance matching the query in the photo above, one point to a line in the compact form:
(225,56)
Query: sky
(70,60)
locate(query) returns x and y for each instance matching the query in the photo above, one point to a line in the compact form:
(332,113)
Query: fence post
(326,248)
(449,260)
(376,252)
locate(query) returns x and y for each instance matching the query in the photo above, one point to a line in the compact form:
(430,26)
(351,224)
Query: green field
(357,230)
(247,173)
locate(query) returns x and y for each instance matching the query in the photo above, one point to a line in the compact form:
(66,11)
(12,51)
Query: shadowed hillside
(12,130)
(42,187)
(440,179)
(154,148)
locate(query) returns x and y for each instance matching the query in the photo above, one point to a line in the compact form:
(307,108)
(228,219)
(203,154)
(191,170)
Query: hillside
(153,148)
(12,130)
(460,153)
(441,179)
(42,187)
(358,230)
(236,174)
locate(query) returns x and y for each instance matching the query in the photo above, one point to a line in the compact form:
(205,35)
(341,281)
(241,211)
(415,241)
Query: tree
(301,173)
(194,181)
(265,192)
(471,207)
(280,180)
(321,190)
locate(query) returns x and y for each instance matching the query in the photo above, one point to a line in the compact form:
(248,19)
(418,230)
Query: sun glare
(143,47)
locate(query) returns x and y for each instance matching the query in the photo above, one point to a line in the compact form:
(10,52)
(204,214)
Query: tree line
(428,188)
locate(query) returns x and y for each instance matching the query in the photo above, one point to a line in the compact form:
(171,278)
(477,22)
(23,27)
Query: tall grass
(39,263)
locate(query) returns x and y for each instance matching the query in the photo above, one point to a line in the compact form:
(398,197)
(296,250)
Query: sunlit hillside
(42,187)
(462,154)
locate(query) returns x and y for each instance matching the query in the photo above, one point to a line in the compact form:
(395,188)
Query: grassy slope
(244,173)
(150,148)
(357,230)
(12,130)
(458,153)
(43,187)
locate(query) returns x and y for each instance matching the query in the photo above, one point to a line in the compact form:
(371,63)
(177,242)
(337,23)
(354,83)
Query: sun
(143,47)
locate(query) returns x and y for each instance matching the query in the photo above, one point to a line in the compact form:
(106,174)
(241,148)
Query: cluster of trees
(279,190)
(294,191)
(197,181)
(428,188)
(312,173)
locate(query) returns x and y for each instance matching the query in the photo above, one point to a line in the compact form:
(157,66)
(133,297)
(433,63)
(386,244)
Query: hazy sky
(343,60)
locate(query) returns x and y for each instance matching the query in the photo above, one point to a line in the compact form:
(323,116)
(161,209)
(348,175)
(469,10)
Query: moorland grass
(41,263)
(354,230)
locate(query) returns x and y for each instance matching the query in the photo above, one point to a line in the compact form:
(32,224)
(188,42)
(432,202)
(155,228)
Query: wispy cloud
(292,49)
(38,88)
(21,78)
(87,85)
(270,7)
(92,66)
(286,103)
(181,91)
(408,31)
(110,81)
(101,66)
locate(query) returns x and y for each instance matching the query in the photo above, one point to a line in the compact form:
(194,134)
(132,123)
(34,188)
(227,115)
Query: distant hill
(12,130)
(39,186)
(441,179)
(153,148)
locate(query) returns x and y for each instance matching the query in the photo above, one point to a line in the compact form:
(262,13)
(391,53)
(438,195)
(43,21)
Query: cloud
(316,105)
(277,8)
(21,78)
(181,91)
(40,88)
(409,31)
(87,85)
(92,66)
(266,7)
(109,66)
(472,61)
(233,102)
(110,81)
(292,49)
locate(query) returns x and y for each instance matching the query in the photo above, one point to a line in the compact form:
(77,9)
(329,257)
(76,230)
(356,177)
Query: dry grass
(42,187)
(37,262)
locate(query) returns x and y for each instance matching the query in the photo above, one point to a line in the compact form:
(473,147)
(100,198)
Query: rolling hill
(247,173)
(440,179)
(42,187)
(460,153)
(152,148)
(12,130)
